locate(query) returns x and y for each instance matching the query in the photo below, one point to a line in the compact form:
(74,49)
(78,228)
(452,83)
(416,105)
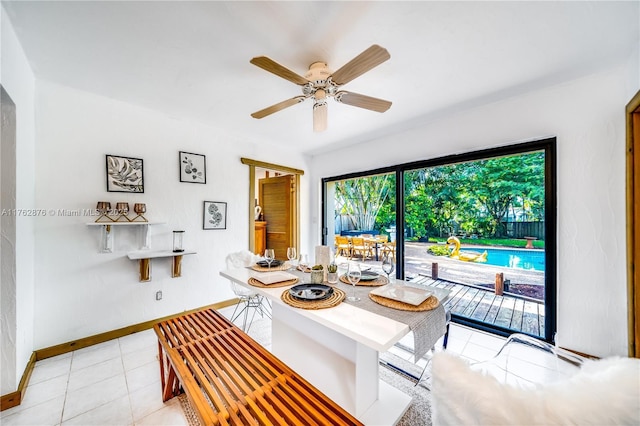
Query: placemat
(305,270)
(335,299)
(285,266)
(430,303)
(381,280)
(254,282)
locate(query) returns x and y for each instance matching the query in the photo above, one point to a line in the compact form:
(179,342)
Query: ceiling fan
(319,83)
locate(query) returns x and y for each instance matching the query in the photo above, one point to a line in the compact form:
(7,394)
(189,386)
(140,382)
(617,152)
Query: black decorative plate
(369,276)
(265,264)
(311,291)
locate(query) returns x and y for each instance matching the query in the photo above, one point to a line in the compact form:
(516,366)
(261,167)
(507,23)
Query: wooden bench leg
(168,377)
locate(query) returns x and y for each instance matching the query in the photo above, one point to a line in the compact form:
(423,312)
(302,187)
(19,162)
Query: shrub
(438,250)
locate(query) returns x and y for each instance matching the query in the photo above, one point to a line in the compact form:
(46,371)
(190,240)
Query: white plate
(413,296)
(267,278)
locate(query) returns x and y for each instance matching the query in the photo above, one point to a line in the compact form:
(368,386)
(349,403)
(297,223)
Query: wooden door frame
(252,196)
(633,217)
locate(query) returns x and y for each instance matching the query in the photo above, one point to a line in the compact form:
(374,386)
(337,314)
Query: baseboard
(115,334)
(15,398)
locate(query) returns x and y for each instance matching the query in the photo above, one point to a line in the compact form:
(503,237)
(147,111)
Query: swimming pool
(514,258)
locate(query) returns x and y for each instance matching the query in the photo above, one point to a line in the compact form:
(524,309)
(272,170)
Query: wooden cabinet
(261,237)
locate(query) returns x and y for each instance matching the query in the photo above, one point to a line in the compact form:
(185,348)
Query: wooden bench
(230,379)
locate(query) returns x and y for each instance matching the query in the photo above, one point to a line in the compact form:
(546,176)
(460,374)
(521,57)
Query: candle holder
(122,210)
(103,208)
(177,241)
(139,208)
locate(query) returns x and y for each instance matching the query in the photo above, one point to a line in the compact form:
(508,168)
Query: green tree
(475,196)
(362,198)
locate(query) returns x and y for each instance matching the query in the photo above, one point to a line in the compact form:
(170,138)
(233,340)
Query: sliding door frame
(548,145)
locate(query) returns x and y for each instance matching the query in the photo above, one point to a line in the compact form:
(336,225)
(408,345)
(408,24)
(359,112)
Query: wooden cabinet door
(276,197)
(261,238)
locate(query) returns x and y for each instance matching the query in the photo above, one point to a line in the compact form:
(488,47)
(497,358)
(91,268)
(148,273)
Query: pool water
(513,258)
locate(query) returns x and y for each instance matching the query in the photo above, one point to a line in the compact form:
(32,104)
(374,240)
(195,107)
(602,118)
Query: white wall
(81,292)
(18,80)
(587,116)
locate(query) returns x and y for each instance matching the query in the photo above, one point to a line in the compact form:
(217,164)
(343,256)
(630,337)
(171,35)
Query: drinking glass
(353,275)
(304,262)
(291,254)
(269,255)
(388,266)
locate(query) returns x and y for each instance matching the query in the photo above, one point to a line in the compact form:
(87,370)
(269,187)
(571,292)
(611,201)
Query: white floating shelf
(124,223)
(152,254)
(144,261)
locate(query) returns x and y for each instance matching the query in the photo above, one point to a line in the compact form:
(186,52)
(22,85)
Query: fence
(525,229)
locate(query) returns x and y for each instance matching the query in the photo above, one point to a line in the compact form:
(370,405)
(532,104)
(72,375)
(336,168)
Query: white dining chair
(247,299)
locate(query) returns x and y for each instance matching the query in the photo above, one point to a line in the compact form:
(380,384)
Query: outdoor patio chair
(359,246)
(389,248)
(247,298)
(343,247)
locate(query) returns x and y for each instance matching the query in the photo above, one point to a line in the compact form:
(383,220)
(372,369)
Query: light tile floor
(118,382)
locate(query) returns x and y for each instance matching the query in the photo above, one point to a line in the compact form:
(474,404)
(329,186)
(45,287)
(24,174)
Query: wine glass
(388,265)
(291,254)
(353,275)
(269,255)
(303,263)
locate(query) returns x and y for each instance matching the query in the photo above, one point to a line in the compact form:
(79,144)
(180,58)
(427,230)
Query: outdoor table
(530,241)
(337,349)
(375,242)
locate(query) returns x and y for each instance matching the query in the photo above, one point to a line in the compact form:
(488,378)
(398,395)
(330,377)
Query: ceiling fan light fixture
(320,115)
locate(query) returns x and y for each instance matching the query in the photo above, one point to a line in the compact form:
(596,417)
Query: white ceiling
(191,59)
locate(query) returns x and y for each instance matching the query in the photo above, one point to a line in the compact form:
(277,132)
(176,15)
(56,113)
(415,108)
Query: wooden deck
(514,313)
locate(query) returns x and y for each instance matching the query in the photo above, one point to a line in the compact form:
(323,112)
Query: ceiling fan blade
(278,107)
(277,69)
(370,58)
(320,117)
(362,101)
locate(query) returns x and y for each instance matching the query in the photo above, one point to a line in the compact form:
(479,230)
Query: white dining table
(337,350)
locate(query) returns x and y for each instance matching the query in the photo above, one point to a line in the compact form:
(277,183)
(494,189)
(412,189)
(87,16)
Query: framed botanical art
(215,215)
(124,174)
(193,167)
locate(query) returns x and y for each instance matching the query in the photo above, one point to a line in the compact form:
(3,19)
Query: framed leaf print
(124,174)
(215,215)
(192,167)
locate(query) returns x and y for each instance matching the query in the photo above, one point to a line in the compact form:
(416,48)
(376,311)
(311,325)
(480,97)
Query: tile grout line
(66,389)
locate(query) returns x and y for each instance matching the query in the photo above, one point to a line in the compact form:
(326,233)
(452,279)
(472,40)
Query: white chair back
(241,259)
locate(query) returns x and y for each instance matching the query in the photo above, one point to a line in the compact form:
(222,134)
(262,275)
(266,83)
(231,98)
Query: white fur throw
(603,392)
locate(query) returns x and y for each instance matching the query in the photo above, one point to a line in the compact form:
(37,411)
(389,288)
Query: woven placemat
(305,270)
(381,280)
(285,266)
(430,303)
(254,282)
(335,299)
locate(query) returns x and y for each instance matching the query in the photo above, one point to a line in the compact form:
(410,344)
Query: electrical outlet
(158,295)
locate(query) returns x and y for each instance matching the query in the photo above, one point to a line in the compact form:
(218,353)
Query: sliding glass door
(481,224)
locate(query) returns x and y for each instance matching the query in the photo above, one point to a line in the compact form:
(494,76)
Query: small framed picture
(124,174)
(215,215)
(193,167)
